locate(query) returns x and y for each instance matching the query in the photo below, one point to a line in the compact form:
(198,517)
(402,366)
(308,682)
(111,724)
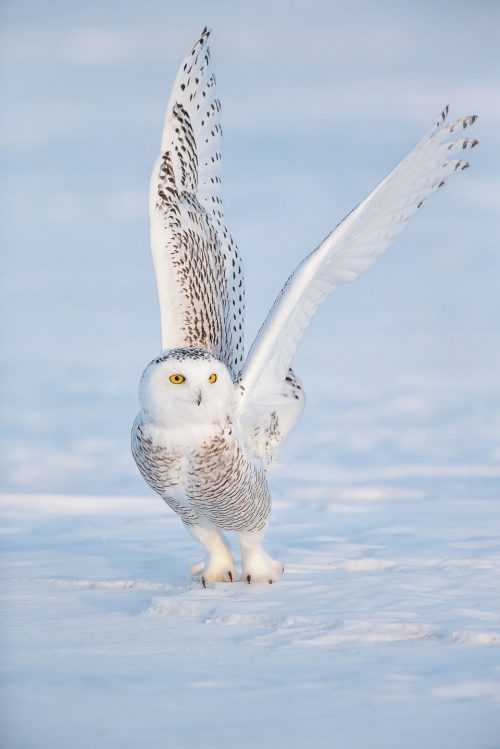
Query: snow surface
(385,630)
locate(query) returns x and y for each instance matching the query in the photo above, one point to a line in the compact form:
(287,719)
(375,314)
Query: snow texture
(385,629)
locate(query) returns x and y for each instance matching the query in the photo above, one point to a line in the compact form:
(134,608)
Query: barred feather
(199,272)
(350,249)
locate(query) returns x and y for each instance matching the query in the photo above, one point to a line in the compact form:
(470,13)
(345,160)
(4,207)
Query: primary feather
(199,272)
(350,249)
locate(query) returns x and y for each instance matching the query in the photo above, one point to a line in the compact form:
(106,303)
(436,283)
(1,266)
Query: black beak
(198,397)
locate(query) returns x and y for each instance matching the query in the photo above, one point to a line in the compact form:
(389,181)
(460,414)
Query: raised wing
(198,270)
(350,249)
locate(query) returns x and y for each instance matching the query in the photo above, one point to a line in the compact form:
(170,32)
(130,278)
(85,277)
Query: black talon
(270,582)
(230,576)
(249,578)
(203,581)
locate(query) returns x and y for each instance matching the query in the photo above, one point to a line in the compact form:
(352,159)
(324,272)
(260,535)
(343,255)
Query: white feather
(198,270)
(197,443)
(350,249)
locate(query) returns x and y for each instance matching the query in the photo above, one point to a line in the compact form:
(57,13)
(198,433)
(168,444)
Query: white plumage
(210,422)
(198,269)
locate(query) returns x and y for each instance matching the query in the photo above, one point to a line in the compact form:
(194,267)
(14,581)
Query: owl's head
(186,384)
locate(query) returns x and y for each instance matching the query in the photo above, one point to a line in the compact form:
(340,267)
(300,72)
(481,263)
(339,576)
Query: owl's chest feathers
(199,458)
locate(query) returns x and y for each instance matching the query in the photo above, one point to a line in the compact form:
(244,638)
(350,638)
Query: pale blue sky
(320,100)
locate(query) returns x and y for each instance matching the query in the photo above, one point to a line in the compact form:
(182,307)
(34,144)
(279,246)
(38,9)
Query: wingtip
(197,47)
(444,114)
(202,39)
(438,122)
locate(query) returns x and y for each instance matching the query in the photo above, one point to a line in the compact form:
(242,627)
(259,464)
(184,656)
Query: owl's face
(186,385)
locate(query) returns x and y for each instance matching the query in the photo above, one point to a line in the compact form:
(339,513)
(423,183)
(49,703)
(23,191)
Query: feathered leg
(218,565)
(258,566)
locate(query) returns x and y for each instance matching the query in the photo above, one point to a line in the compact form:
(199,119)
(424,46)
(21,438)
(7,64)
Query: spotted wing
(198,270)
(349,250)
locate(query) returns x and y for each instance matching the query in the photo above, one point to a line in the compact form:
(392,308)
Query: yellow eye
(212,378)
(176,379)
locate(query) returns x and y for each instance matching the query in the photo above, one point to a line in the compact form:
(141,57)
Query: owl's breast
(226,485)
(160,465)
(213,476)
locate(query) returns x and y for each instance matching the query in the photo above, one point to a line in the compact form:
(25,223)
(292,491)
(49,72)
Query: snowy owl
(211,420)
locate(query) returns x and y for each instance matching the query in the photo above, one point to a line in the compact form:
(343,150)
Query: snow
(385,630)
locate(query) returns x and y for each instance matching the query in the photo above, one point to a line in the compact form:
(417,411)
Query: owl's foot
(197,569)
(218,569)
(259,567)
